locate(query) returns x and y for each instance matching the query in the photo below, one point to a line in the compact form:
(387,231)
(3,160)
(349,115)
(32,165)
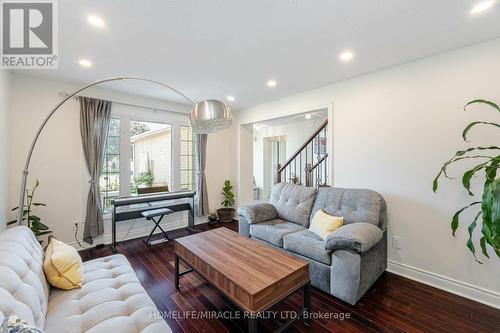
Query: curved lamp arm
(22,192)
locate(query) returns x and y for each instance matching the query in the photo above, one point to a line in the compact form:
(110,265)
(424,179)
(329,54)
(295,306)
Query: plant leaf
(482,243)
(491,211)
(39,225)
(466,178)
(459,155)
(482,101)
(40,233)
(456,216)
(471,228)
(467,129)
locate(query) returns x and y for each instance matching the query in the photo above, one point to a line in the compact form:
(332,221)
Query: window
(147,154)
(109,183)
(151,155)
(187,155)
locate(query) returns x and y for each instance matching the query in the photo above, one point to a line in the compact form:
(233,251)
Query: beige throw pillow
(323,224)
(63,266)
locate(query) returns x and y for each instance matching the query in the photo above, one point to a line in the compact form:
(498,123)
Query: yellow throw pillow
(323,224)
(63,266)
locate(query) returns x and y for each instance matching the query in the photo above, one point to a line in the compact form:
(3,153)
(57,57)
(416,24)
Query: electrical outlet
(397,242)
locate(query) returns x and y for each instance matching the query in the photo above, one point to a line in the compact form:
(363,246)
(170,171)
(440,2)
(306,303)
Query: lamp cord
(76,238)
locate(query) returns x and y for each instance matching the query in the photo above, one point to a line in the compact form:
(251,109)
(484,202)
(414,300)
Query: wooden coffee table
(252,275)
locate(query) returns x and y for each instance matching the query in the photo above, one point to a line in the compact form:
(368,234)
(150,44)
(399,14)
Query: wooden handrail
(318,163)
(308,141)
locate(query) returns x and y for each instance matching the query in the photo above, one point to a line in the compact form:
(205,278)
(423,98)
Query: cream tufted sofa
(111,300)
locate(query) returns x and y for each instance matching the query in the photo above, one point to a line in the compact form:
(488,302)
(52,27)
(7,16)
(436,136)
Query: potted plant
(226,214)
(32,221)
(487,214)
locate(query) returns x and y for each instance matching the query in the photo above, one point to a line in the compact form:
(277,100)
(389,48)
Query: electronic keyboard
(129,208)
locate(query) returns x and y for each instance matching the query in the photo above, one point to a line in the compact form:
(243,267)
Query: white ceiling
(211,49)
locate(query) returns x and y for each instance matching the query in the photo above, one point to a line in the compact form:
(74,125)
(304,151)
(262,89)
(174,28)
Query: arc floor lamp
(208,116)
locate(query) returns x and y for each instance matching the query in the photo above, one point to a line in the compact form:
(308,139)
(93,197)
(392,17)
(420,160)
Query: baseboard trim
(135,233)
(467,290)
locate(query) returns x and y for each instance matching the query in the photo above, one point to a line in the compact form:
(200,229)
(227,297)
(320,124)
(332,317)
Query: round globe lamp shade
(210,116)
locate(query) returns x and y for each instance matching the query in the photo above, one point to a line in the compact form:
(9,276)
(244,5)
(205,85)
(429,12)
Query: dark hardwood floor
(393,304)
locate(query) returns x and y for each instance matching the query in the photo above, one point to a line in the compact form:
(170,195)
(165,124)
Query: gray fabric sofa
(350,259)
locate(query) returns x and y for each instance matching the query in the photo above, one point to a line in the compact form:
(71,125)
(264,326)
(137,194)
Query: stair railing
(309,164)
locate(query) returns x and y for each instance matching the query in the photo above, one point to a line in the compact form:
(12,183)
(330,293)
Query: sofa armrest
(258,212)
(357,237)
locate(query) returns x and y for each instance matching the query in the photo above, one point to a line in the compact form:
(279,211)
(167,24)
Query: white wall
(392,130)
(58,159)
(219,166)
(4,148)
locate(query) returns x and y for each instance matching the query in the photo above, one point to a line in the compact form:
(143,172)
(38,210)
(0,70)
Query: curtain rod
(65,94)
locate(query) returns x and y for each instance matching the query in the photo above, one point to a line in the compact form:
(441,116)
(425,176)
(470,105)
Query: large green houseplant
(226,214)
(489,213)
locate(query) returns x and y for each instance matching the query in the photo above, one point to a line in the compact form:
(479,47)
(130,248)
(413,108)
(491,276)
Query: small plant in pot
(226,214)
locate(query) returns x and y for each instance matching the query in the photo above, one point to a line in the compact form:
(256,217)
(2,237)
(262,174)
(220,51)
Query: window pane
(114,128)
(187,148)
(186,161)
(186,133)
(113,145)
(109,183)
(187,172)
(151,158)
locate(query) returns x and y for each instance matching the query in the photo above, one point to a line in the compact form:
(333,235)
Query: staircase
(309,164)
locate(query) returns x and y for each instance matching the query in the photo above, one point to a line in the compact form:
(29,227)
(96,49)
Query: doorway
(274,149)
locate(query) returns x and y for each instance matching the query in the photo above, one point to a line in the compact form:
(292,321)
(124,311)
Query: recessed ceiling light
(230,98)
(85,63)
(482,6)
(308,116)
(346,56)
(96,21)
(272,83)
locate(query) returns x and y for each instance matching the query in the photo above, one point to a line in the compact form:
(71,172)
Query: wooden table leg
(307,304)
(176,272)
(252,324)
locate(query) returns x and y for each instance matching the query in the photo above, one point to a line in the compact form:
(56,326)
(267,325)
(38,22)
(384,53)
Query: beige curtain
(201,184)
(94,124)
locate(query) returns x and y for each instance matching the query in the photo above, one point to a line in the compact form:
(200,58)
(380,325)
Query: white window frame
(126,114)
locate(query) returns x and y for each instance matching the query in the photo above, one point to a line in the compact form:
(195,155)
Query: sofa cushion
(23,288)
(355,205)
(111,300)
(307,244)
(357,237)
(258,212)
(273,231)
(293,202)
